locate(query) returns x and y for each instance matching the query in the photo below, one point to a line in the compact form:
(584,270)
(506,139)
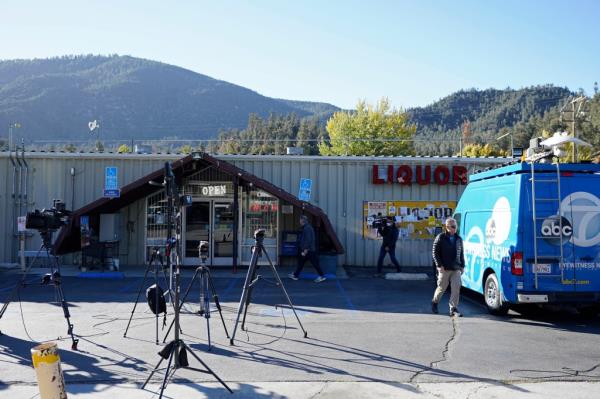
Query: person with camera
(307,248)
(389,232)
(449,259)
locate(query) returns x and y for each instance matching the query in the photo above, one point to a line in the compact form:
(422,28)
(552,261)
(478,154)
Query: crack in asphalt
(563,373)
(320,391)
(433,364)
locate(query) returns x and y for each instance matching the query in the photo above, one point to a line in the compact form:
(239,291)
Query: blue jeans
(392,252)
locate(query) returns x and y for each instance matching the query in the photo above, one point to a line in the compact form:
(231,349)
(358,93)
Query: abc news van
(531,235)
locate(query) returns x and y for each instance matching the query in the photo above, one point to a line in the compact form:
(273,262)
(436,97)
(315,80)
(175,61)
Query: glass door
(197,228)
(222,227)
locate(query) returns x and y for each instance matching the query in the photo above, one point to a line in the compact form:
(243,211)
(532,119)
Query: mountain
(488,110)
(132,98)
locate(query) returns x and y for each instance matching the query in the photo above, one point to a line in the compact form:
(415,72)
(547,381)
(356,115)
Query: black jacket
(307,238)
(446,255)
(390,236)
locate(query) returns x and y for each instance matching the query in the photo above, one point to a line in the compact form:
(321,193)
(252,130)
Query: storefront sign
(420,174)
(214,191)
(414,219)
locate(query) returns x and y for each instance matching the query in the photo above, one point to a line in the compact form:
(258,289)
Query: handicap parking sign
(111,182)
(305,189)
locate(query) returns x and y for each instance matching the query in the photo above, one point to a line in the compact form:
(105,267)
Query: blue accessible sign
(305,189)
(111,182)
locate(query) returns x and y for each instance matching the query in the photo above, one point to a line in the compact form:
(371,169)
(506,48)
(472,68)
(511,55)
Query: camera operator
(388,230)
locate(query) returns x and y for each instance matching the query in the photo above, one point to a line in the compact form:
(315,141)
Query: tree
(70,148)
(487,150)
(186,149)
(124,149)
(369,130)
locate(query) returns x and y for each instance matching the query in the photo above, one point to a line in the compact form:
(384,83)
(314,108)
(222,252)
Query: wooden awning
(69,239)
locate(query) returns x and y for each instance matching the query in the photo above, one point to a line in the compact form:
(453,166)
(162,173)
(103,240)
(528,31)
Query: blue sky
(413,52)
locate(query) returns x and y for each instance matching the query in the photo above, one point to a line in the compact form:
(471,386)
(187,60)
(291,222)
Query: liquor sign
(420,174)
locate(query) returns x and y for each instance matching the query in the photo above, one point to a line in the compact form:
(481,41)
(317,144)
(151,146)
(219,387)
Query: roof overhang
(69,239)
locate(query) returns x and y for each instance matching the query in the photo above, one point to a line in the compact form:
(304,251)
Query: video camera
(48,219)
(380,222)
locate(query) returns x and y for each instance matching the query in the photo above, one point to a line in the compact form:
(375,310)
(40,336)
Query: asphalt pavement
(366,337)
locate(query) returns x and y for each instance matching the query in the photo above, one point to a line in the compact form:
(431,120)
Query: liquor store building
(231,197)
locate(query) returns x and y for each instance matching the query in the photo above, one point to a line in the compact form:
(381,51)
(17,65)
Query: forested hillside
(132,98)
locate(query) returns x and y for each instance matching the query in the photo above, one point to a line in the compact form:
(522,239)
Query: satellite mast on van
(544,150)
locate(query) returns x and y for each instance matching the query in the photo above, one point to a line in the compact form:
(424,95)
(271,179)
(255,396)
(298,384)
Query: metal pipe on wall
(26,166)
(13,222)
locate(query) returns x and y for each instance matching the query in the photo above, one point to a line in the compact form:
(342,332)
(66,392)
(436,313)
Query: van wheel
(493,297)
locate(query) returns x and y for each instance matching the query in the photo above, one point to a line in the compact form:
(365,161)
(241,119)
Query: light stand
(176,350)
(53,278)
(206,284)
(156,263)
(252,278)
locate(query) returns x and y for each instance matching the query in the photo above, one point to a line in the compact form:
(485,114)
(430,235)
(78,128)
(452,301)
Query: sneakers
(434,308)
(455,312)
(320,278)
(293,276)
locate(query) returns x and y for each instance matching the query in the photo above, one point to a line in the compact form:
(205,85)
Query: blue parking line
(229,287)
(128,287)
(346,297)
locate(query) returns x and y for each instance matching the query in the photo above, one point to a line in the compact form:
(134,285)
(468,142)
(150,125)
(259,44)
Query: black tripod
(53,278)
(207,287)
(176,350)
(252,278)
(156,265)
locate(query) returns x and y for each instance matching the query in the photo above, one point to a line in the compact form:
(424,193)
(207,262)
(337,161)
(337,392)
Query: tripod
(53,278)
(206,284)
(176,350)
(252,278)
(156,260)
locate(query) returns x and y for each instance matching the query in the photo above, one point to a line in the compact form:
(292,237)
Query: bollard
(46,363)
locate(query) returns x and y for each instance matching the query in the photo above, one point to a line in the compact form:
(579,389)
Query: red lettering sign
(421,174)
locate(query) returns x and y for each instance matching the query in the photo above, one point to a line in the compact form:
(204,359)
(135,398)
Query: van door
(581,209)
(546,235)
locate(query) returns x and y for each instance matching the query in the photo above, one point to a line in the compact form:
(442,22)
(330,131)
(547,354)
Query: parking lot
(361,330)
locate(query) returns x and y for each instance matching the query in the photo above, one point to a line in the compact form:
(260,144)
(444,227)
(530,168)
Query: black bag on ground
(152,293)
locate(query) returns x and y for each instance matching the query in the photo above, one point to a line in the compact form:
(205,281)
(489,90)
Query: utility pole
(574,109)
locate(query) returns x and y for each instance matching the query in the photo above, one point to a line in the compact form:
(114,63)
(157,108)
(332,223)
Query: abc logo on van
(555,227)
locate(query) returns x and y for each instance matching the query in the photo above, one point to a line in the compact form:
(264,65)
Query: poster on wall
(415,219)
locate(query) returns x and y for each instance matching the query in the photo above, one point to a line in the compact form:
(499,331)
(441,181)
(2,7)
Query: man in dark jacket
(389,232)
(308,250)
(449,258)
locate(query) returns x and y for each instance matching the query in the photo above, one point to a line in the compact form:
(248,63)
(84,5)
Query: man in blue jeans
(389,232)
(308,250)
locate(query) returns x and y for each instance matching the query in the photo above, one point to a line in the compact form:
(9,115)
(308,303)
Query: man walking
(389,232)
(308,250)
(449,259)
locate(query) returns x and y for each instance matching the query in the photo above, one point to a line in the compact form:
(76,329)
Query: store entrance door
(210,221)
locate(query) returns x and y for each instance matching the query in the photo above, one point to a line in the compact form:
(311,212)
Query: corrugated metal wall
(340,185)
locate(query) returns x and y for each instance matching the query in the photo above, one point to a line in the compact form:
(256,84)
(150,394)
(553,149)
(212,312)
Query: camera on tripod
(259,235)
(203,251)
(48,219)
